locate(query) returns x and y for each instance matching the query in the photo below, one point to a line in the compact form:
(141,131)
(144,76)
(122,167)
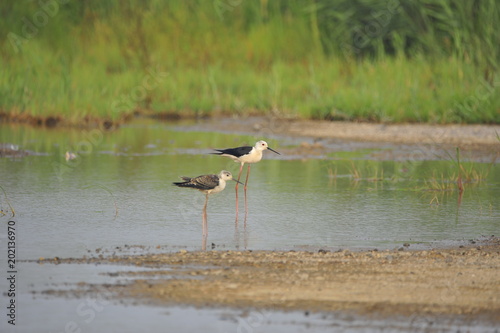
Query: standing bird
(242,155)
(208,184)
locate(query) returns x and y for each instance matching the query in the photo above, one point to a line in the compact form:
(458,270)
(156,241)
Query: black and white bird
(208,184)
(242,155)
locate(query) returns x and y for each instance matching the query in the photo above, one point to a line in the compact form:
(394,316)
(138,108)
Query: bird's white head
(225,175)
(261,145)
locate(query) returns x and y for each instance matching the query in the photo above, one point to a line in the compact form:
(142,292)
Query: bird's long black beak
(238,181)
(274,151)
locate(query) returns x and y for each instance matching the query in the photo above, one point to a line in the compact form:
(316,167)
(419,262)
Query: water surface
(116,196)
(118,192)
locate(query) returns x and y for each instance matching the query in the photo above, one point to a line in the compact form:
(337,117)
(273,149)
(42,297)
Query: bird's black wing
(238,151)
(206,182)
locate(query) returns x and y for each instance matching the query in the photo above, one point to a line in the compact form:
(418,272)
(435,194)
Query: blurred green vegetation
(431,61)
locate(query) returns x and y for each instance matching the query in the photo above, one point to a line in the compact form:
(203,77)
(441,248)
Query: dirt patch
(460,281)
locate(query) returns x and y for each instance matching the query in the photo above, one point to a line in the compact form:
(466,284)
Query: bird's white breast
(218,188)
(254,157)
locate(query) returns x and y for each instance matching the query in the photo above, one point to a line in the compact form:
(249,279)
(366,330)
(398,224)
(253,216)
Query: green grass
(429,61)
(449,175)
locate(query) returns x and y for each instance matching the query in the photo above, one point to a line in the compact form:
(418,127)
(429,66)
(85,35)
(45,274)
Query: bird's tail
(185,183)
(217,152)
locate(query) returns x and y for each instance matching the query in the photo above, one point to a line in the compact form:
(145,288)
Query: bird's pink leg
(204,244)
(205,224)
(245,191)
(239,176)
(246,181)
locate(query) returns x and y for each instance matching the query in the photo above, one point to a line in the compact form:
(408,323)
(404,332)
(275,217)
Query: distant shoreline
(471,136)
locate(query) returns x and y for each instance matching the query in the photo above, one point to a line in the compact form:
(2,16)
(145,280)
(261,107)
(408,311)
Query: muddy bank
(463,135)
(457,135)
(466,135)
(460,281)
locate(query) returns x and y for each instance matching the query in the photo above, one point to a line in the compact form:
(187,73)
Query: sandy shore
(474,135)
(459,281)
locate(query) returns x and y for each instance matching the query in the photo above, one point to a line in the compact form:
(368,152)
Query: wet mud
(462,281)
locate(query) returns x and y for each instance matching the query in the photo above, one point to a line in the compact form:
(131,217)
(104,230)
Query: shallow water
(118,191)
(88,315)
(117,194)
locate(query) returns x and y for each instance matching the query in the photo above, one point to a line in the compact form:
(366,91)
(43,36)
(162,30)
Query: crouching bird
(208,184)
